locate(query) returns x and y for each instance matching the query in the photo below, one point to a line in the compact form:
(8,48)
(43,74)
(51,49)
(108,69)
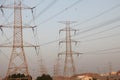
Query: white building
(85,76)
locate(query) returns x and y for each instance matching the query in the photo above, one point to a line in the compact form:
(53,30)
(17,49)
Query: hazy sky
(98,22)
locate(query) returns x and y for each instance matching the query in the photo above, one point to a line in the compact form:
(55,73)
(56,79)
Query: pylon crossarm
(1,45)
(74,41)
(59,54)
(62,30)
(73,29)
(30,45)
(8,44)
(6,26)
(61,42)
(77,53)
(74,53)
(11,7)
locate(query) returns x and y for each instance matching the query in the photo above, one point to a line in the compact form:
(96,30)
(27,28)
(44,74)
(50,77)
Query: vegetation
(44,77)
(94,78)
(19,76)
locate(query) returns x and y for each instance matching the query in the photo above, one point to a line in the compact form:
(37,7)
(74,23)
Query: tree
(94,78)
(44,77)
(18,76)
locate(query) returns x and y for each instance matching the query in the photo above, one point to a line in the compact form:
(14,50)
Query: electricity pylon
(69,66)
(57,67)
(41,64)
(18,63)
(43,69)
(18,50)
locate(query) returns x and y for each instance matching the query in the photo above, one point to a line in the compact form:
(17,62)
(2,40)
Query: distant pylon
(42,68)
(69,65)
(41,64)
(57,67)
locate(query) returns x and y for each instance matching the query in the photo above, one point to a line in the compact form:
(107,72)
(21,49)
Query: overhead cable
(105,30)
(60,12)
(90,29)
(44,10)
(103,50)
(103,37)
(4,54)
(100,14)
(99,26)
(39,3)
(100,53)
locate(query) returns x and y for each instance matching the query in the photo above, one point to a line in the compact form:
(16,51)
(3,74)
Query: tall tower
(69,66)
(18,63)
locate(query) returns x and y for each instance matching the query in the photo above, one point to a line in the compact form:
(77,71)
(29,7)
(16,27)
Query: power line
(90,29)
(4,54)
(6,21)
(113,35)
(39,3)
(102,13)
(97,16)
(45,9)
(4,2)
(57,14)
(50,42)
(99,26)
(99,53)
(112,28)
(103,51)
(109,49)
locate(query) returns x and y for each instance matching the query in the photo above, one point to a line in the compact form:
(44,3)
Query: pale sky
(98,23)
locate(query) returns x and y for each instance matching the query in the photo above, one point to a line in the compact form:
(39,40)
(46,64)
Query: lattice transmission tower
(41,64)
(43,69)
(69,65)
(57,68)
(18,50)
(18,63)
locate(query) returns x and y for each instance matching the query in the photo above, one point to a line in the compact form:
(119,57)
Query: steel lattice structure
(18,63)
(69,65)
(17,50)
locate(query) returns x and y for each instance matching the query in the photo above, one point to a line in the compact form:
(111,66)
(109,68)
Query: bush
(44,77)
(18,76)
